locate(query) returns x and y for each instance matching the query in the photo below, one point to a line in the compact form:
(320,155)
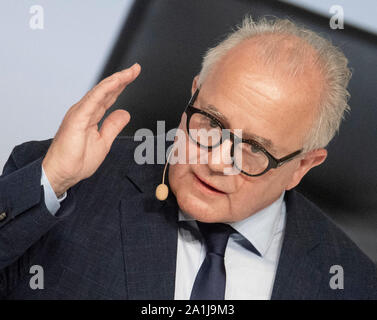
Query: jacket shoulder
(326,229)
(337,248)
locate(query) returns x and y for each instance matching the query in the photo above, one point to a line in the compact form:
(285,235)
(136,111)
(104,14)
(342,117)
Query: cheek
(180,179)
(175,174)
(255,193)
(285,174)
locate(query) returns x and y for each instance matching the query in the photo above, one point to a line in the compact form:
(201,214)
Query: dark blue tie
(210,281)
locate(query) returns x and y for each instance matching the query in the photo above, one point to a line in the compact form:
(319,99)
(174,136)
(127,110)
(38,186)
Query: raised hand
(79,148)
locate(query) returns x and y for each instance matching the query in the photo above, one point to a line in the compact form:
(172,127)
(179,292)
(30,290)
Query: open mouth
(207,186)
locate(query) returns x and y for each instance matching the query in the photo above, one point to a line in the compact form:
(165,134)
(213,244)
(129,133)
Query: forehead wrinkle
(262,86)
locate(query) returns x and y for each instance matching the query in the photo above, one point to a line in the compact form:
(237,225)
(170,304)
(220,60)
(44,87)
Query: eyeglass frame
(273,162)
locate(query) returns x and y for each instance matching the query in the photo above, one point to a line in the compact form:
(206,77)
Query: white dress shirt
(248,276)
(51,200)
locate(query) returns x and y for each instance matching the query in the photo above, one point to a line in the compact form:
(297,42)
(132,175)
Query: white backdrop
(44,71)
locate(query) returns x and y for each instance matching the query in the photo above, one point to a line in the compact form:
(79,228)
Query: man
(81,208)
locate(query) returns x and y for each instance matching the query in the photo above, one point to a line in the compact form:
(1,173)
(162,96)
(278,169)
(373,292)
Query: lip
(206,187)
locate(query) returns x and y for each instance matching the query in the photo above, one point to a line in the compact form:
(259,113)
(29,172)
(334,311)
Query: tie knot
(216,236)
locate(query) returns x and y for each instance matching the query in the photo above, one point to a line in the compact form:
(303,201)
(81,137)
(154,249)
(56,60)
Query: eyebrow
(265,143)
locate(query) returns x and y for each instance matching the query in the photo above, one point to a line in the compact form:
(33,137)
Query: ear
(310,160)
(194,84)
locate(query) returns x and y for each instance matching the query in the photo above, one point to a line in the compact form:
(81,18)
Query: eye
(213,123)
(254,149)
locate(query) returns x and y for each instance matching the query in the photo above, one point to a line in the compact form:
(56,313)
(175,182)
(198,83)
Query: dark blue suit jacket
(111,239)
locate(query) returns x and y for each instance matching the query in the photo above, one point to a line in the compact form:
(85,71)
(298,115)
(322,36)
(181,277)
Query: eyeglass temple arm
(287,158)
(193,98)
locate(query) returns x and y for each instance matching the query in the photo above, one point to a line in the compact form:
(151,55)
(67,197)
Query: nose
(220,160)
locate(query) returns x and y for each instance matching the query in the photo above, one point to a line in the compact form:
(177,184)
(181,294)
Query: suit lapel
(297,275)
(149,235)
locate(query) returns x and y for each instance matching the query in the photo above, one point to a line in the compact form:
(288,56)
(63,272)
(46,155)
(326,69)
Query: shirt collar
(259,228)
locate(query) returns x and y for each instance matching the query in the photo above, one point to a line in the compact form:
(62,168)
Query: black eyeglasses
(248,156)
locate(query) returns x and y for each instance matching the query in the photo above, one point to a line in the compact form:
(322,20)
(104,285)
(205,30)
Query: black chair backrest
(168,39)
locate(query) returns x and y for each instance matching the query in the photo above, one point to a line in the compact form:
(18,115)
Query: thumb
(113,125)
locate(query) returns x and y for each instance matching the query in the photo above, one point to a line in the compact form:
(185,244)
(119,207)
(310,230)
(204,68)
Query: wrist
(59,184)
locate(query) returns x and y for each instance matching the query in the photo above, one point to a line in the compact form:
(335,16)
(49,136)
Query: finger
(107,91)
(103,95)
(118,76)
(136,68)
(113,125)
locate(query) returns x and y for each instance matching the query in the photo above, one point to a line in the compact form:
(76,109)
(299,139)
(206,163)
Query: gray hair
(330,61)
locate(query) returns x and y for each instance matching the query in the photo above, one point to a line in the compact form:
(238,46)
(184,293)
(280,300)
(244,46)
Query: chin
(197,208)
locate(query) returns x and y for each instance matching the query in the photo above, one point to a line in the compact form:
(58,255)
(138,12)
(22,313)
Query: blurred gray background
(44,72)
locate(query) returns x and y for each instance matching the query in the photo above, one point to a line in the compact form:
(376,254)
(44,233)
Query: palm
(79,148)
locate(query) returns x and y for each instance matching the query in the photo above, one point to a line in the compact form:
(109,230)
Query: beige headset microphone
(162,189)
